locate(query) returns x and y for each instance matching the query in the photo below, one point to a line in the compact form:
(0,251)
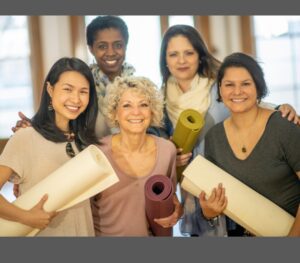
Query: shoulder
(165,144)
(105,141)
(26,134)
(214,130)
(281,125)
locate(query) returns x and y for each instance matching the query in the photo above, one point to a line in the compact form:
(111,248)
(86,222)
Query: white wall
(55,39)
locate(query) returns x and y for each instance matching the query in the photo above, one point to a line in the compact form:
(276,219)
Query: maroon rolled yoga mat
(159,202)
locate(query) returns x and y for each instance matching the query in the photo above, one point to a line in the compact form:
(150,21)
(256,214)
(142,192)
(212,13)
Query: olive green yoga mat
(186,133)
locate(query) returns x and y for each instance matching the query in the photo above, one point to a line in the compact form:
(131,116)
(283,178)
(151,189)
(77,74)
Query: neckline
(117,167)
(255,146)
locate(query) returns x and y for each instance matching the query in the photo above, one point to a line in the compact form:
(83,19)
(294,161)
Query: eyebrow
(72,86)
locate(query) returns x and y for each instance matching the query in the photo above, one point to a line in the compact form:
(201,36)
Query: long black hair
(84,125)
(209,64)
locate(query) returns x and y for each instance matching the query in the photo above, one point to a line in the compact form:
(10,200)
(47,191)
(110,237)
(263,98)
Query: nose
(136,110)
(75,97)
(181,58)
(237,90)
(110,50)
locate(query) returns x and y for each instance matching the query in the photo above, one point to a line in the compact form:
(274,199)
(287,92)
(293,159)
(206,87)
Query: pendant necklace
(244,149)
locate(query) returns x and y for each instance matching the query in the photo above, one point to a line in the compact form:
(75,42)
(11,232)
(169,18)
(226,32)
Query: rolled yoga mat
(186,133)
(253,211)
(82,177)
(159,202)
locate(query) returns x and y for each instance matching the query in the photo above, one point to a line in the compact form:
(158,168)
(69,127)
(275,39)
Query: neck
(184,85)
(132,142)
(63,126)
(245,120)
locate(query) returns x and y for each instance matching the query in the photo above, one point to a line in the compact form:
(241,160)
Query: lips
(135,121)
(72,108)
(238,100)
(111,62)
(183,69)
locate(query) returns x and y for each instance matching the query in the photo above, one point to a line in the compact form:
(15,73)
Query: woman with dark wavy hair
(189,74)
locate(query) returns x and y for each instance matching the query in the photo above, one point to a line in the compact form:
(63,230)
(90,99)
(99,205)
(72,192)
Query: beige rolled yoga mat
(253,211)
(186,133)
(82,177)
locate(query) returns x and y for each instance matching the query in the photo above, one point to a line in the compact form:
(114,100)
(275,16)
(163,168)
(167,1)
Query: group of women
(134,126)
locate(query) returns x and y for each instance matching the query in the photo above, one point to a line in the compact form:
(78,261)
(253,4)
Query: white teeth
(135,121)
(73,108)
(111,62)
(238,100)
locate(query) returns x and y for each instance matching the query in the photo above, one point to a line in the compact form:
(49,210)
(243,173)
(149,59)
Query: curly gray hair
(142,86)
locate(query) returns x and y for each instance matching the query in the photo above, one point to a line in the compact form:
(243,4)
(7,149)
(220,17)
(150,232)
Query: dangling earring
(50,106)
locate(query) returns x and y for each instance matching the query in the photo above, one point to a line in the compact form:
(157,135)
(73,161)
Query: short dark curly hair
(242,60)
(104,22)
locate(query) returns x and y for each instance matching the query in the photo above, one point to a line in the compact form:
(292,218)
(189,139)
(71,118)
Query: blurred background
(29,45)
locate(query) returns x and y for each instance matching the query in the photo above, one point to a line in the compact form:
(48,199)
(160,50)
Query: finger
(202,198)
(291,115)
(296,119)
(23,116)
(19,123)
(224,204)
(222,198)
(42,201)
(179,150)
(212,196)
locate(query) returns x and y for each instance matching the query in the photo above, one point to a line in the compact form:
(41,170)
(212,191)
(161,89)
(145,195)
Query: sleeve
(208,147)
(291,144)
(13,156)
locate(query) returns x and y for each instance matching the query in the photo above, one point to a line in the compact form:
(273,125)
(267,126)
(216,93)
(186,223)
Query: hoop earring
(50,106)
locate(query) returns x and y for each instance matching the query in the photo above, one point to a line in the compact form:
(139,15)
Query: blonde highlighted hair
(142,86)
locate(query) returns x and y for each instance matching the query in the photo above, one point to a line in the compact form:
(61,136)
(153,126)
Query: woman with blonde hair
(132,104)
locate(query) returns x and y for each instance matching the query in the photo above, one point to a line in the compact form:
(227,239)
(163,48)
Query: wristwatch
(213,221)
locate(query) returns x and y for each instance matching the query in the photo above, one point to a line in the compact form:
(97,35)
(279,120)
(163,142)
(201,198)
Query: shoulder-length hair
(241,60)
(142,86)
(209,64)
(84,126)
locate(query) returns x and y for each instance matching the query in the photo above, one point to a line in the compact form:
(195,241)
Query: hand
(215,204)
(182,159)
(37,217)
(287,111)
(23,123)
(16,190)
(171,220)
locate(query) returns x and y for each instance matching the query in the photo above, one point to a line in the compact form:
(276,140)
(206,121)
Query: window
(277,43)
(15,74)
(143,46)
(185,20)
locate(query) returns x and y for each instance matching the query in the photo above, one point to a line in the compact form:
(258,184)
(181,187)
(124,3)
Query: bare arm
(295,230)
(35,217)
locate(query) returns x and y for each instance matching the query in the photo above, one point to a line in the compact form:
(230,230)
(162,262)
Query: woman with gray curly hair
(132,104)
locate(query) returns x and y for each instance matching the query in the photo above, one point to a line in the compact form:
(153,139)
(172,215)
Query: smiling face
(109,50)
(182,59)
(238,90)
(133,112)
(70,97)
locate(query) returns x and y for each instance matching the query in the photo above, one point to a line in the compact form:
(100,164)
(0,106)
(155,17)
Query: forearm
(11,212)
(295,230)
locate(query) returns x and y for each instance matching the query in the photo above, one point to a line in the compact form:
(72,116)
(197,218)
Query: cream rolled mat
(82,177)
(245,206)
